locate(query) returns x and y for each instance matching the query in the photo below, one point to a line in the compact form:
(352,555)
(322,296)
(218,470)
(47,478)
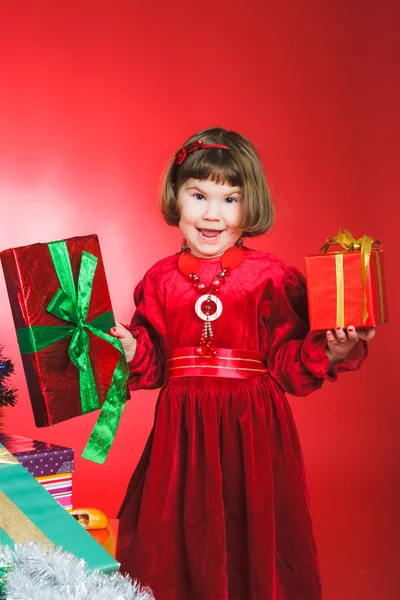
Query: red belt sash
(237,364)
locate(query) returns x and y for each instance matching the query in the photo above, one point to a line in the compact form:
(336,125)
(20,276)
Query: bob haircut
(239,166)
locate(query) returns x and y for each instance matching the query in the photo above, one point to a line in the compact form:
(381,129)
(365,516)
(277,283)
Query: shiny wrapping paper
(52,465)
(39,458)
(338,291)
(29,514)
(86,368)
(60,487)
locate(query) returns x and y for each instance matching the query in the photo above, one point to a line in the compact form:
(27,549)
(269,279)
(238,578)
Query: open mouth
(210,234)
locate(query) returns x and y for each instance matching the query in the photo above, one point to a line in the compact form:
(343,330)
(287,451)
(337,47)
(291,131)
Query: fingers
(119,331)
(367,334)
(330,337)
(370,334)
(341,336)
(352,334)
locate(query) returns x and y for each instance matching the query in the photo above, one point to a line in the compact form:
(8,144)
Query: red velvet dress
(218,508)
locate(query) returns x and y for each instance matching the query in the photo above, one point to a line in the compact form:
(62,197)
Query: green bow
(72,305)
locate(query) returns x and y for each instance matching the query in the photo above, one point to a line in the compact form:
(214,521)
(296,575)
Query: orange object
(103,530)
(106,539)
(100,535)
(90,518)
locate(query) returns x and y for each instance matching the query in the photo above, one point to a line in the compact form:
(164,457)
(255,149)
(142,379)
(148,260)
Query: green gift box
(28,513)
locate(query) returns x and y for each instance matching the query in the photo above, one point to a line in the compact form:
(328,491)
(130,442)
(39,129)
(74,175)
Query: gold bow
(363,245)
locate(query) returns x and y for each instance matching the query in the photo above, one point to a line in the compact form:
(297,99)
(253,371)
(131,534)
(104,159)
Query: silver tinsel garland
(39,574)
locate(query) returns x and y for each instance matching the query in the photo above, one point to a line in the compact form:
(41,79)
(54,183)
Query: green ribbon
(72,305)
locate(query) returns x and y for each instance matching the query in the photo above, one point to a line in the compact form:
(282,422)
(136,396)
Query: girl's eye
(230,200)
(199,196)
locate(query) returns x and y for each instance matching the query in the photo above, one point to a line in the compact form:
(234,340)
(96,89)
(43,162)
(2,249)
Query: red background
(96,95)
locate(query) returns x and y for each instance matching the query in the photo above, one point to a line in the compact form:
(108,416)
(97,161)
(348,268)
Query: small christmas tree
(8,395)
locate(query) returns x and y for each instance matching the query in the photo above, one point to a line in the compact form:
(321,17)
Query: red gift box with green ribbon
(62,312)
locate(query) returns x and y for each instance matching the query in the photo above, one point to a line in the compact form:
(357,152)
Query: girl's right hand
(127,340)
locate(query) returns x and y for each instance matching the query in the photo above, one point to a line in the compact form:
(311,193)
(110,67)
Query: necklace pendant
(208,307)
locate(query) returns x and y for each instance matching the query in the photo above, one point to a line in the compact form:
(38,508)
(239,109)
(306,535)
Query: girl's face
(210,214)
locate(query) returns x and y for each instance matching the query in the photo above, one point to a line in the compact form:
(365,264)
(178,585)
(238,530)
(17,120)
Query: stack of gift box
(28,513)
(51,465)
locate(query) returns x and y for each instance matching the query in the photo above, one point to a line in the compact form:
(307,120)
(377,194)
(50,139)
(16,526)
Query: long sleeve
(146,369)
(296,356)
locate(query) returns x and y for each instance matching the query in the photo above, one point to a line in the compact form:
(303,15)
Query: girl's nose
(211,211)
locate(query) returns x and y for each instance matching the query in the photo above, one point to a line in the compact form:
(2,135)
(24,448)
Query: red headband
(183,152)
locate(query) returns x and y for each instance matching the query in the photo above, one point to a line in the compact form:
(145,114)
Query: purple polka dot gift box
(50,464)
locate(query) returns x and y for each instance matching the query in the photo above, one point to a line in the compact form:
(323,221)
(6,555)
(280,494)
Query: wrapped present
(50,464)
(60,487)
(29,514)
(62,313)
(346,287)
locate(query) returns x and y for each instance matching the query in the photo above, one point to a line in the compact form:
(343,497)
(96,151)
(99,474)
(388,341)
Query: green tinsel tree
(8,395)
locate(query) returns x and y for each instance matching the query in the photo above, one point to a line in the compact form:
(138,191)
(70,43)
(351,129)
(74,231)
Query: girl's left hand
(340,343)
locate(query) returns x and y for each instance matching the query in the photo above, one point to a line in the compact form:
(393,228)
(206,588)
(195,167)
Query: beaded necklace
(209,307)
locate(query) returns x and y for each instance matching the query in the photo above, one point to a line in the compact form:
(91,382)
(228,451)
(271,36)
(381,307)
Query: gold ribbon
(339,290)
(17,525)
(380,284)
(12,520)
(7,458)
(363,245)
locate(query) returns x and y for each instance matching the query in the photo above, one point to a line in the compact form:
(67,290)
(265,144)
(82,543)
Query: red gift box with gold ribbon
(346,286)
(62,314)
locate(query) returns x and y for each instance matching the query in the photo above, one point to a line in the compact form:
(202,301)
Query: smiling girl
(218,508)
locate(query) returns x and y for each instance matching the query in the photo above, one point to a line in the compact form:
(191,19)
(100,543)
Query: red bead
(188,263)
(210,353)
(199,351)
(200,287)
(232,257)
(208,307)
(216,282)
(195,278)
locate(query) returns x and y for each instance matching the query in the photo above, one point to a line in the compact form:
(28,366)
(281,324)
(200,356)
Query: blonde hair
(239,166)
